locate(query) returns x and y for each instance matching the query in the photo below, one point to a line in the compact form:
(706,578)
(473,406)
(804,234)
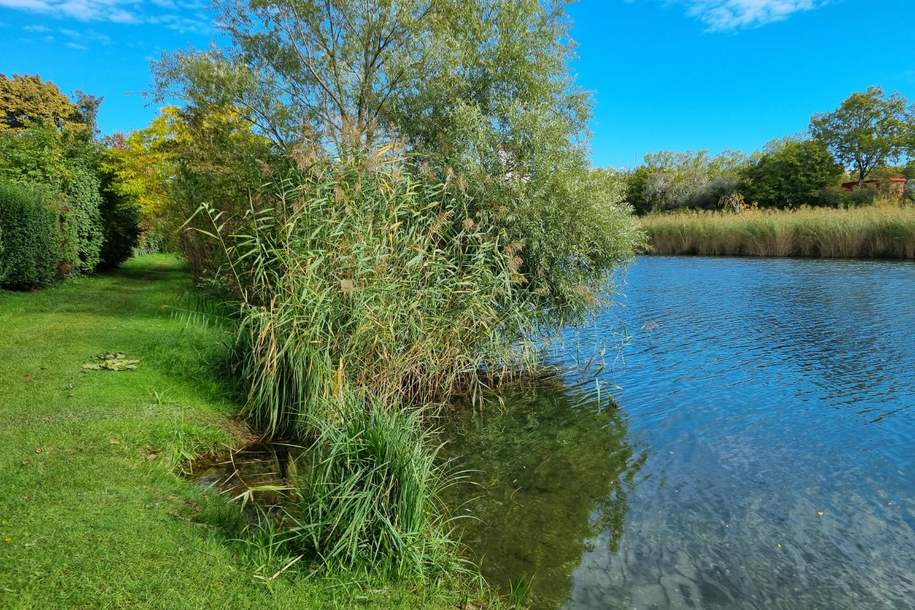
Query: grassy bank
(871,232)
(95,512)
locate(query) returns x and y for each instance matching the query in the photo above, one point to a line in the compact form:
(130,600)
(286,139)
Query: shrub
(670,180)
(28,230)
(83,234)
(838,198)
(709,196)
(369,496)
(790,174)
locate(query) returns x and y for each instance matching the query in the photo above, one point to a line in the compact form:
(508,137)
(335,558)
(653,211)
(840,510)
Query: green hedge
(29,236)
(83,233)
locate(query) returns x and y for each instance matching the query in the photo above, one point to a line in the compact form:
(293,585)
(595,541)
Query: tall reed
(883,231)
(366,279)
(366,290)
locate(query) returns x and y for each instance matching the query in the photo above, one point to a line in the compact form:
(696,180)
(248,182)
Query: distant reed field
(880,231)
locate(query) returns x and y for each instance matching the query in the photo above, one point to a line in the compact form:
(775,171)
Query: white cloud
(185,15)
(86,36)
(117,11)
(724,15)
(183,24)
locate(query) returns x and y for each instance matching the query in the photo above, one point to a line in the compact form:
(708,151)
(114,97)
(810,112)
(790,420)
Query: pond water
(758,450)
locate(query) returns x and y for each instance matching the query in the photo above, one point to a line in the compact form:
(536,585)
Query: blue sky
(665,74)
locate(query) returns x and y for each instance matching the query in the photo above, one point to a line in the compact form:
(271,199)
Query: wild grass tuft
(369,494)
(880,231)
(366,292)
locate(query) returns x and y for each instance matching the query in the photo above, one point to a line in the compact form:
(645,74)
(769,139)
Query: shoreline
(95,462)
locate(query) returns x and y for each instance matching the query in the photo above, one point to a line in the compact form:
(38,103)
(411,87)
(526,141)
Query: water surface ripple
(762,454)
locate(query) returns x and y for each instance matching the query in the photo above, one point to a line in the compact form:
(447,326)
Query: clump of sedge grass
(880,231)
(368,495)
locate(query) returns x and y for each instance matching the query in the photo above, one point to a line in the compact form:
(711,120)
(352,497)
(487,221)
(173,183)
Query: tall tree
(480,90)
(29,101)
(868,130)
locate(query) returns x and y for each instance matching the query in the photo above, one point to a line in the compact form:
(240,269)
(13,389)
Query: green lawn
(93,510)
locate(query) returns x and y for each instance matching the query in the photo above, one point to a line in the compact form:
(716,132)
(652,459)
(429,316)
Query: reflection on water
(762,455)
(540,498)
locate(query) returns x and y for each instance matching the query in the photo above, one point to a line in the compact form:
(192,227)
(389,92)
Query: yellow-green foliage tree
(184,159)
(48,142)
(27,101)
(144,164)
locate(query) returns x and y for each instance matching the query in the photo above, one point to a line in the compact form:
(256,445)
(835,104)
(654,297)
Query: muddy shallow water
(760,452)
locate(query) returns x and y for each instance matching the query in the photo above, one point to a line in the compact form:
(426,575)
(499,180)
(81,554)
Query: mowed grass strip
(94,511)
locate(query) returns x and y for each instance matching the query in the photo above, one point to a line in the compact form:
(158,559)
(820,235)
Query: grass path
(92,510)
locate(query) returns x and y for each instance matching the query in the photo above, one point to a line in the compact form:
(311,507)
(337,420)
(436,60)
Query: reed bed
(881,231)
(365,295)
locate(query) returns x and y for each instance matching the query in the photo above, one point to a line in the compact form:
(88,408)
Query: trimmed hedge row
(46,235)
(29,238)
(83,233)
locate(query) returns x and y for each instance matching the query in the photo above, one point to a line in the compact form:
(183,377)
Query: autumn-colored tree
(186,158)
(28,101)
(144,163)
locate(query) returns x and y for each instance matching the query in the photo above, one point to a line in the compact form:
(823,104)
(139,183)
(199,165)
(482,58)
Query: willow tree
(478,92)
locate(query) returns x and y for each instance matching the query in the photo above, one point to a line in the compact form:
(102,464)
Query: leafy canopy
(868,130)
(479,91)
(790,174)
(27,101)
(670,180)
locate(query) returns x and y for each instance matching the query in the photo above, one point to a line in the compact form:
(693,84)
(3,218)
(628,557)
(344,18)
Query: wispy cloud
(116,11)
(726,15)
(184,24)
(85,36)
(179,15)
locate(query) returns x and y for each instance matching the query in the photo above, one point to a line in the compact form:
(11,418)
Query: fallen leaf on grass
(114,441)
(113,361)
(152,456)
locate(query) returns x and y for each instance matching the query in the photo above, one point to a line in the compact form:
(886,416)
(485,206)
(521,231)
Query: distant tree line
(61,212)
(863,139)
